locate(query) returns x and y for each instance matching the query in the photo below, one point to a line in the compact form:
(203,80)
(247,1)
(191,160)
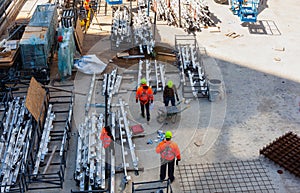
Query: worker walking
(144,94)
(169,94)
(168,151)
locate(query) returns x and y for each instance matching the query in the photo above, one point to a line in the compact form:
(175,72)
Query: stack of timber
(8,11)
(27,11)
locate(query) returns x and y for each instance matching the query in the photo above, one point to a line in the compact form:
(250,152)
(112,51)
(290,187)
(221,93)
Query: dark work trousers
(163,169)
(167,99)
(108,160)
(143,107)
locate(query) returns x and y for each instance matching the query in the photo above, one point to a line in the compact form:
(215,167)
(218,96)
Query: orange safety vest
(144,95)
(168,150)
(86,5)
(106,140)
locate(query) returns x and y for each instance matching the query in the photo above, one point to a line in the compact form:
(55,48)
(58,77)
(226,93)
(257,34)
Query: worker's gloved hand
(177,160)
(136,100)
(151,101)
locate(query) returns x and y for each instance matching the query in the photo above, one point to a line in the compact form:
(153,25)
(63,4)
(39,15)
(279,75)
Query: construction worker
(106,137)
(144,94)
(168,151)
(169,94)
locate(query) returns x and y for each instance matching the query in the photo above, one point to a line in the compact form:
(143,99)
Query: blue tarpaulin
(114,2)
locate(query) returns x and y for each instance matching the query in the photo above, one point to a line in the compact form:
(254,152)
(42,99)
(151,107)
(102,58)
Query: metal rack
(121,32)
(151,186)
(154,73)
(190,64)
(51,171)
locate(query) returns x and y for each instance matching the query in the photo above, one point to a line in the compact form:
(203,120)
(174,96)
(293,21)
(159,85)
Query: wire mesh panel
(239,176)
(285,151)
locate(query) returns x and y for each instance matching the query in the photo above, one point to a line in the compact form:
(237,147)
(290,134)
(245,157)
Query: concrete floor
(260,99)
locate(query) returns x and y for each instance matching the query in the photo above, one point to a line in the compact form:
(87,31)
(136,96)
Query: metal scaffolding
(192,71)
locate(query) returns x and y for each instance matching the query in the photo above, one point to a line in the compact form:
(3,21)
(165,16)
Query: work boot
(172,180)
(142,115)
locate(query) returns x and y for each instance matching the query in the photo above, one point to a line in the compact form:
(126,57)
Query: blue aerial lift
(247,10)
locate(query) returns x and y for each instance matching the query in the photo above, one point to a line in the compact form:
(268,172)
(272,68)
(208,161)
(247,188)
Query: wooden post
(50,159)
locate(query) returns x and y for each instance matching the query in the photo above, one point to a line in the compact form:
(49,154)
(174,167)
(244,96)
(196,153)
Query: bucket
(213,95)
(214,84)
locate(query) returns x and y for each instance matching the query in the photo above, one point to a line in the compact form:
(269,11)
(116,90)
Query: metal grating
(285,151)
(239,176)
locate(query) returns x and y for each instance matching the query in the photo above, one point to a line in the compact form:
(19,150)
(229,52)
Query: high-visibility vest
(144,95)
(168,150)
(106,140)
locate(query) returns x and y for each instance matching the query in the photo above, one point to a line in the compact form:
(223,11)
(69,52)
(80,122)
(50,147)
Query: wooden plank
(166,54)
(35,98)
(50,159)
(78,36)
(9,61)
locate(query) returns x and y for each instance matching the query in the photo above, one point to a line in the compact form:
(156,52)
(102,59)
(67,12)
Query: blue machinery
(245,9)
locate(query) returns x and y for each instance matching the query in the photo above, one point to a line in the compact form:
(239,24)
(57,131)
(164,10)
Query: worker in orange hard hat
(144,94)
(169,93)
(168,151)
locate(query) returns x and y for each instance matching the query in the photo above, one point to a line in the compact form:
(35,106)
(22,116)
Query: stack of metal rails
(8,11)
(125,36)
(94,163)
(192,15)
(154,72)
(121,33)
(33,151)
(16,129)
(190,63)
(143,37)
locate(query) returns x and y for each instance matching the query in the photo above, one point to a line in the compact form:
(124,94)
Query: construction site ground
(259,102)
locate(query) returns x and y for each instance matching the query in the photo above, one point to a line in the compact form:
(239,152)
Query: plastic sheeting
(90,64)
(66,52)
(38,38)
(44,15)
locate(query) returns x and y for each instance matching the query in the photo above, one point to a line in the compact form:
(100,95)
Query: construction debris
(233,35)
